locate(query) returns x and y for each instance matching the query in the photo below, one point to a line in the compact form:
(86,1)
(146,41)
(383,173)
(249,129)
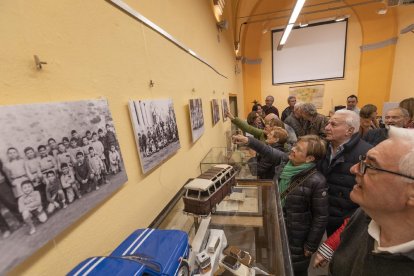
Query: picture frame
(215,109)
(155,130)
(309,94)
(72,162)
(224,108)
(195,107)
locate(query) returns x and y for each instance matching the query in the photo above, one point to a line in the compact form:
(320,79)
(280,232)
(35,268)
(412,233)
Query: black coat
(341,181)
(355,256)
(306,216)
(376,136)
(306,207)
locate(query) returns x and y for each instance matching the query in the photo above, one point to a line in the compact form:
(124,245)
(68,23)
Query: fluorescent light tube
(296,11)
(286,34)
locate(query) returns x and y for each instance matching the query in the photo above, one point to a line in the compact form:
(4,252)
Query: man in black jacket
(379,238)
(344,149)
(268,107)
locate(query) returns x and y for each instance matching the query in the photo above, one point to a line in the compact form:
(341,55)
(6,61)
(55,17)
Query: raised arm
(261,148)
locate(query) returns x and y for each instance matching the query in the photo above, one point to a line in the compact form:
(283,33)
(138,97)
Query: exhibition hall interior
(207,137)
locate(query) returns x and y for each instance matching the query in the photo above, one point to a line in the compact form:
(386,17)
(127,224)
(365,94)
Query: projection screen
(313,53)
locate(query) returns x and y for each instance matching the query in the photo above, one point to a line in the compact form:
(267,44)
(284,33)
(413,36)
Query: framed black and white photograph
(57,161)
(155,129)
(196,118)
(215,111)
(224,108)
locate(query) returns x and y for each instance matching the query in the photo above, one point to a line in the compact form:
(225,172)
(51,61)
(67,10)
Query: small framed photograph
(224,108)
(196,118)
(215,111)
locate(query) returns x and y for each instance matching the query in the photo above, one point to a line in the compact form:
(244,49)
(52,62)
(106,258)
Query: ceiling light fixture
(295,13)
(285,36)
(219,6)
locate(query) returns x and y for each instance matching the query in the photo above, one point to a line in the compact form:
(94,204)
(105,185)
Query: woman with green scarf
(303,192)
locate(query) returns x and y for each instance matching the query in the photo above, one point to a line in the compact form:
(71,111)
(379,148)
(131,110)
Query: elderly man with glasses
(379,237)
(397,117)
(344,149)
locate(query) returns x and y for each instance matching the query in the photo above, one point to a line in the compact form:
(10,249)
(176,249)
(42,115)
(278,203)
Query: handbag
(296,183)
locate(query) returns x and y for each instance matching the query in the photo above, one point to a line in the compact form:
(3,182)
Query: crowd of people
(158,136)
(51,176)
(348,175)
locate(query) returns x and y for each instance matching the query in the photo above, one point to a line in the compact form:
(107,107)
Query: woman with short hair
(303,193)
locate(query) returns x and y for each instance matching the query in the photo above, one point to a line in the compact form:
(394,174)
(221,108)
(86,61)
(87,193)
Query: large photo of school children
(155,129)
(196,118)
(215,111)
(57,161)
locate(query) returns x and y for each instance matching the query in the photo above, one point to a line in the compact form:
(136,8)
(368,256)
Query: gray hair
(406,164)
(351,118)
(403,111)
(298,105)
(291,97)
(309,109)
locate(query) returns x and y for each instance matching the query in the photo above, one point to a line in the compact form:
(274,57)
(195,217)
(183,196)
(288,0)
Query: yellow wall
(376,64)
(336,91)
(94,50)
(403,75)
(375,76)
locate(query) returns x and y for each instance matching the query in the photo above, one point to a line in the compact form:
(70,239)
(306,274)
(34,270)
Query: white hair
(351,118)
(406,135)
(298,105)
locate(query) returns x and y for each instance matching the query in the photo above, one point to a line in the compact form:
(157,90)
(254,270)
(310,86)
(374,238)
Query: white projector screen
(316,52)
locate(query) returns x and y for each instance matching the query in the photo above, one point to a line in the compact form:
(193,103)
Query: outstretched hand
(240,139)
(319,261)
(229,115)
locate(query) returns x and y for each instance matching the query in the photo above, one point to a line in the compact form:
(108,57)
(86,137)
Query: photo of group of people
(196,118)
(57,161)
(156,132)
(224,108)
(215,110)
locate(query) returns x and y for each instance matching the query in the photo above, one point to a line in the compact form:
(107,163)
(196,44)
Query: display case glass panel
(241,158)
(248,224)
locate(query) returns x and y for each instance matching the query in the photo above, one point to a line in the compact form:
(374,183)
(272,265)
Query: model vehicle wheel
(184,270)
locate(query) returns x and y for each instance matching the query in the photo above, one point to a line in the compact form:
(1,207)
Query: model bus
(203,193)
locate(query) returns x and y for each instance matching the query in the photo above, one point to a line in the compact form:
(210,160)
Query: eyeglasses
(363,166)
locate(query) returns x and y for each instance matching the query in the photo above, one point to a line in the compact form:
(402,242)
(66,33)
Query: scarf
(289,171)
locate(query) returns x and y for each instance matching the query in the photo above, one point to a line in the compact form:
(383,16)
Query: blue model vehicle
(144,252)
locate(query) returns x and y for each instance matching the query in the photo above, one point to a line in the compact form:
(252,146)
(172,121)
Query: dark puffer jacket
(306,207)
(306,213)
(341,181)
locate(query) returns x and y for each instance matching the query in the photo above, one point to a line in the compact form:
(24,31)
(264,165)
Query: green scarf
(288,172)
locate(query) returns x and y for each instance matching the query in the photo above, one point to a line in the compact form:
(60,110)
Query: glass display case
(241,158)
(247,225)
